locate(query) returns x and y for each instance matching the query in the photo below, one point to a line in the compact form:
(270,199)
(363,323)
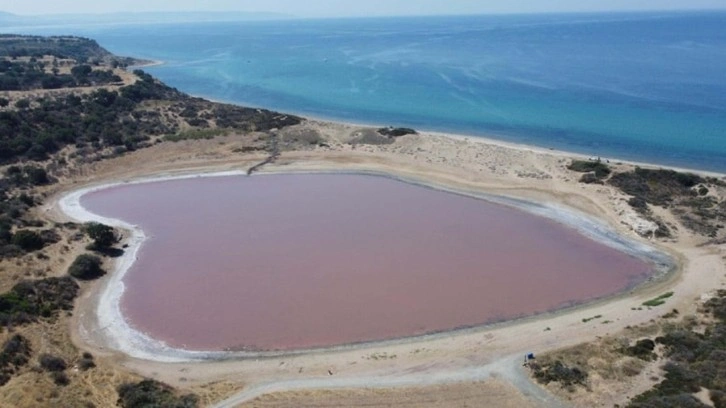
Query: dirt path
(508,369)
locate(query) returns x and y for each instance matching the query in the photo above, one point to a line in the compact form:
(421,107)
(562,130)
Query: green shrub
(658,300)
(52,363)
(29,300)
(86,267)
(150,393)
(643,349)
(396,132)
(596,170)
(102,235)
(15,354)
(590,178)
(28,240)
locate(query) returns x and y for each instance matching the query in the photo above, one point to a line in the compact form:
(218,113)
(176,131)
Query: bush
(52,363)
(590,178)
(587,166)
(28,240)
(643,349)
(60,378)
(559,372)
(86,267)
(86,362)
(102,235)
(28,300)
(396,132)
(15,354)
(150,393)
(596,170)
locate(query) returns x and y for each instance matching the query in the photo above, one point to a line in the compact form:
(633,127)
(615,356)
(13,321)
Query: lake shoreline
(121,336)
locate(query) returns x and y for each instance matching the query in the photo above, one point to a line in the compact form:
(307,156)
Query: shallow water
(298,261)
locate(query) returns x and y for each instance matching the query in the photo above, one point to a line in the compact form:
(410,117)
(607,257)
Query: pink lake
(280,262)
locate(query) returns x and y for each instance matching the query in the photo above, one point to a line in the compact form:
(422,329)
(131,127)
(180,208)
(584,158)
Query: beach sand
(460,359)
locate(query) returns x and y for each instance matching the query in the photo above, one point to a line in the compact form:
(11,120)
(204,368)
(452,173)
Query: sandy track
(508,369)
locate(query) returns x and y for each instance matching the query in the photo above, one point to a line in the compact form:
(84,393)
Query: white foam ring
(119,335)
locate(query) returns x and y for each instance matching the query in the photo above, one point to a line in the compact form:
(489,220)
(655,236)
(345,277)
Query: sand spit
(110,330)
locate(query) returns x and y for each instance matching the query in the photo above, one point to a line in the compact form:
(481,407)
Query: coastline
(487,137)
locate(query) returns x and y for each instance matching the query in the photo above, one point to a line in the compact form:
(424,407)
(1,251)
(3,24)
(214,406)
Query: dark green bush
(396,132)
(15,354)
(86,267)
(50,362)
(29,300)
(590,178)
(60,378)
(150,393)
(102,235)
(596,170)
(643,349)
(28,240)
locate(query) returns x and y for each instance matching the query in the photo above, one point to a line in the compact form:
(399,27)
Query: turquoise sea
(647,86)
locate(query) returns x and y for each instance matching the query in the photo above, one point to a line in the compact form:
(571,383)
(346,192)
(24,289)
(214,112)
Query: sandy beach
(533,178)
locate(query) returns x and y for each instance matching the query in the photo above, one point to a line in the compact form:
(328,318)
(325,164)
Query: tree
(86,267)
(102,235)
(4,102)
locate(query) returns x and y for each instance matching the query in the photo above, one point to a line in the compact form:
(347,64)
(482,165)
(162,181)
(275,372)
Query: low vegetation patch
(596,171)
(642,349)
(396,132)
(686,194)
(658,300)
(588,319)
(27,240)
(29,300)
(560,373)
(196,134)
(150,393)
(15,354)
(695,361)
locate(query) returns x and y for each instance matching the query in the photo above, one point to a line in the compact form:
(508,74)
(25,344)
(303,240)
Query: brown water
(297,261)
